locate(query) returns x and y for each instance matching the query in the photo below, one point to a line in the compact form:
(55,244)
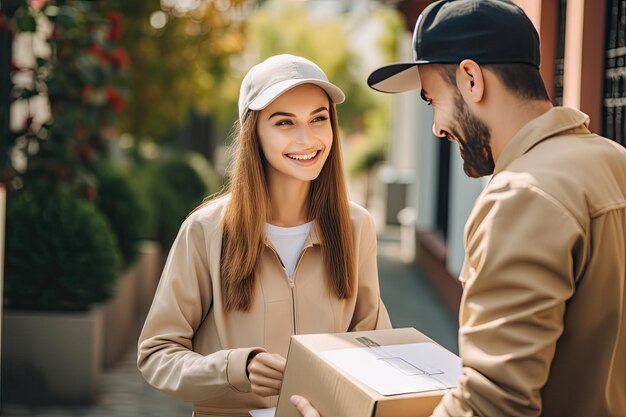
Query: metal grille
(614,106)
(560,54)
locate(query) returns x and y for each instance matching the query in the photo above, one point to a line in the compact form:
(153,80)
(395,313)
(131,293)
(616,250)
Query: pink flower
(54,34)
(95,50)
(119,58)
(115,25)
(89,193)
(28,122)
(85,153)
(87,92)
(114,97)
(36,5)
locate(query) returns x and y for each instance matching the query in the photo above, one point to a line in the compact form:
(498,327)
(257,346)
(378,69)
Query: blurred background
(115,122)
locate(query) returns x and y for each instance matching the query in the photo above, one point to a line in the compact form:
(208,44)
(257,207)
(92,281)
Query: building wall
(463,193)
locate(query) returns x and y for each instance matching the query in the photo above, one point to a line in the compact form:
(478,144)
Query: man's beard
(474,141)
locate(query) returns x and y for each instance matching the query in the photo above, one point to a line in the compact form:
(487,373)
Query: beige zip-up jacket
(192,349)
(543,311)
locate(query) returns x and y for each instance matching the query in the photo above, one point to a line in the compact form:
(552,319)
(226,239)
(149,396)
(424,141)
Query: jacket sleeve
(518,275)
(182,300)
(369,312)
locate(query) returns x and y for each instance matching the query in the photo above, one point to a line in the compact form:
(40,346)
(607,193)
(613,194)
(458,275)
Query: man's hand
(265,372)
(304,406)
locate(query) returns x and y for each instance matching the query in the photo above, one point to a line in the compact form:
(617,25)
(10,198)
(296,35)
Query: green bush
(125,209)
(370,153)
(60,252)
(142,182)
(175,185)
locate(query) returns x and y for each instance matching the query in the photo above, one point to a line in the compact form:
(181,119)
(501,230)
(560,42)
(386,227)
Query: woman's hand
(265,371)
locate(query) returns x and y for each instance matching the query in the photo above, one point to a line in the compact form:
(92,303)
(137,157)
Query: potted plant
(175,185)
(61,262)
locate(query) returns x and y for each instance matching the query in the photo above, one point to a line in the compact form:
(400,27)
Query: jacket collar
(314,236)
(557,120)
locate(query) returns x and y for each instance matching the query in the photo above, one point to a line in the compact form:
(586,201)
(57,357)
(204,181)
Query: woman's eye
(320,119)
(284,123)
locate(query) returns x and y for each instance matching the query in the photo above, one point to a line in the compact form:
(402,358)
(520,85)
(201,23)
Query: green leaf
(41,62)
(51,10)
(27,93)
(66,17)
(11,6)
(26,23)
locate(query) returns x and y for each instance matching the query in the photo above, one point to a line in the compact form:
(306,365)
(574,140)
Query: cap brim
(273,92)
(396,78)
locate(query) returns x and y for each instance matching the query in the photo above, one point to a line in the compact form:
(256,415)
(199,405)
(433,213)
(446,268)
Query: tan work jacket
(543,311)
(192,349)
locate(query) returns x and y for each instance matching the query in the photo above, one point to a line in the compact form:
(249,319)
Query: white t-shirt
(288,242)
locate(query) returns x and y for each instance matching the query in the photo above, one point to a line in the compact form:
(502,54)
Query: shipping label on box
(382,373)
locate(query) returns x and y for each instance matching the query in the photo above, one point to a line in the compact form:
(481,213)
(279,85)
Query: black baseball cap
(449,31)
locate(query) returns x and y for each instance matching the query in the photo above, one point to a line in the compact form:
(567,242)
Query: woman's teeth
(302,157)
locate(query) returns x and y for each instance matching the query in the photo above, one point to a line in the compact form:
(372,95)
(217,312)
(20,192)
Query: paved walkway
(407,295)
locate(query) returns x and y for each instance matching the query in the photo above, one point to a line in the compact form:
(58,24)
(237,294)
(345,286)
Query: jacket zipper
(293,287)
(291,282)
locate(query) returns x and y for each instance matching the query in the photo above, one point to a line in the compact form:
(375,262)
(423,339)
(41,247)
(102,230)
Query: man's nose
(438,131)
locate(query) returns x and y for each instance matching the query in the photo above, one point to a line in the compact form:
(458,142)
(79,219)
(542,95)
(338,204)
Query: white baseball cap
(267,80)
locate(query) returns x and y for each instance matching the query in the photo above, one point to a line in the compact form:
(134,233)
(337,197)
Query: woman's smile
(304,158)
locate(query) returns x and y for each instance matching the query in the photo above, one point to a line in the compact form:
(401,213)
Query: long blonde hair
(246,214)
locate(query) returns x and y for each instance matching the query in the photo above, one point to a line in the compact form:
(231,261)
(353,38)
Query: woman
(281,252)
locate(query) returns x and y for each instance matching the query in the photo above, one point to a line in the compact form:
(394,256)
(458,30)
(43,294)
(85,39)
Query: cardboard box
(315,370)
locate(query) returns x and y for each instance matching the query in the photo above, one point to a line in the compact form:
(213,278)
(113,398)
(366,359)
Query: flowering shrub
(62,253)
(125,209)
(81,73)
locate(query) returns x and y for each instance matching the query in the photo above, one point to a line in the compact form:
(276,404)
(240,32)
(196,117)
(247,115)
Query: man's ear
(470,81)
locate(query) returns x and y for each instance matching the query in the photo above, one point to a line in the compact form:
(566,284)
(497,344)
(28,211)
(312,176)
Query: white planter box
(126,311)
(150,268)
(51,357)
(120,318)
